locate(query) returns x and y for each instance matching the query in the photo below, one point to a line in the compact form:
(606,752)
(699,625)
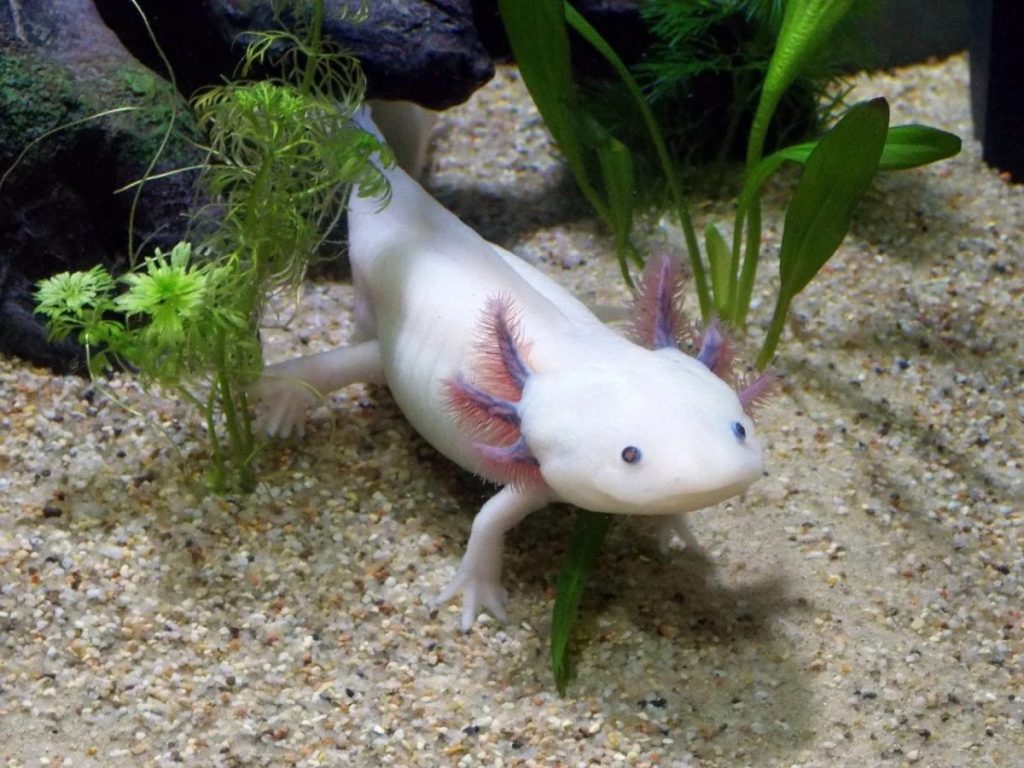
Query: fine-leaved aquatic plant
(838,169)
(701,74)
(283,155)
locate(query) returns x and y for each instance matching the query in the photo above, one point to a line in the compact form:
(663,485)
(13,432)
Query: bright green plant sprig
(150,317)
(283,154)
(162,319)
(838,169)
(840,165)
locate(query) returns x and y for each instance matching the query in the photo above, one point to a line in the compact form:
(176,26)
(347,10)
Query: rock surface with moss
(63,159)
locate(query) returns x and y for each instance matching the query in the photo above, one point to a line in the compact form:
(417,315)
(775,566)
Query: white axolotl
(507,374)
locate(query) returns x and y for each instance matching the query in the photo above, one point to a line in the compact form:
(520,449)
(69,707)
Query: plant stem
(759,128)
(771,340)
(243,409)
(315,33)
(745,287)
(256,198)
(732,295)
(219,473)
(581,25)
(241,448)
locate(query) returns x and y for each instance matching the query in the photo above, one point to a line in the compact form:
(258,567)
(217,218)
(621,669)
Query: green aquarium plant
(701,73)
(283,153)
(837,171)
(600,163)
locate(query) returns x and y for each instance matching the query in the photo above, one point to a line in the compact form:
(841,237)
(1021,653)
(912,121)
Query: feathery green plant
(838,169)
(283,153)
(701,75)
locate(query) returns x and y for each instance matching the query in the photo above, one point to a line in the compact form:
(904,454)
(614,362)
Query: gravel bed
(861,606)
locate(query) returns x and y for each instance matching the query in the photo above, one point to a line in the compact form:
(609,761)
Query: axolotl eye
(739,430)
(631,454)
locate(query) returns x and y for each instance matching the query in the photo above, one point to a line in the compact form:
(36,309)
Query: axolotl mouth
(654,501)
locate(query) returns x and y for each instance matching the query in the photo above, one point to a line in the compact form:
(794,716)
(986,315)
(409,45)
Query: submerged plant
(838,169)
(701,75)
(283,154)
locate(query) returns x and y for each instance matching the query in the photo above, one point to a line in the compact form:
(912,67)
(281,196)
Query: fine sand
(861,606)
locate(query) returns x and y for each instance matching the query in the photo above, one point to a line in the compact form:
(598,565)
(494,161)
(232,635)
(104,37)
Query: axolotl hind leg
(288,391)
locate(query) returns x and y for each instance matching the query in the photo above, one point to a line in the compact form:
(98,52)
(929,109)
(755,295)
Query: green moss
(35,97)
(141,82)
(155,102)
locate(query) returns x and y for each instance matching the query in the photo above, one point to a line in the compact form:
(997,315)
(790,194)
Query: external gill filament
(492,413)
(513,453)
(479,406)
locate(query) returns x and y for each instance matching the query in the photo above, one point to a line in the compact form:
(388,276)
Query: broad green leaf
(540,43)
(617,173)
(911,146)
(906,146)
(587,536)
(805,26)
(835,177)
(719,258)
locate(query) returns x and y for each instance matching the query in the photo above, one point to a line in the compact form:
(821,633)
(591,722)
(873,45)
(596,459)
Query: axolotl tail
(410,215)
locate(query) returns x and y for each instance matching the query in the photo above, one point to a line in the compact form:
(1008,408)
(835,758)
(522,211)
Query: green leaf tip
(587,536)
(835,178)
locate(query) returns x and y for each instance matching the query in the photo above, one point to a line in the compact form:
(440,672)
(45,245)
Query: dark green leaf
(617,174)
(910,146)
(906,146)
(587,537)
(592,36)
(537,34)
(835,177)
(719,257)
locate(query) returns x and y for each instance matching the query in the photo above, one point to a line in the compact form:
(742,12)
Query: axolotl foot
(288,391)
(670,529)
(478,579)
(479,592)
(284,403)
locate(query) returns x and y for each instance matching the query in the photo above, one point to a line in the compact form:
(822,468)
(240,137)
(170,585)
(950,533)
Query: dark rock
(23,335)
(61,165)
(618,21)
(426,51)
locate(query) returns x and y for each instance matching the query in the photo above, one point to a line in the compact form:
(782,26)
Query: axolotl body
(511,377)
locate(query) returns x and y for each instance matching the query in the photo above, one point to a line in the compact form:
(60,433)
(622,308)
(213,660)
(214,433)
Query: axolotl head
(654,432)
(638,431)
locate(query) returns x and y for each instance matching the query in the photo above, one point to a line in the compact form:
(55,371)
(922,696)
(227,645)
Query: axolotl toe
(507,374)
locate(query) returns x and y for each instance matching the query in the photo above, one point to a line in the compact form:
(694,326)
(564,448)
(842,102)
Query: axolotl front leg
(288,391)
(478,578)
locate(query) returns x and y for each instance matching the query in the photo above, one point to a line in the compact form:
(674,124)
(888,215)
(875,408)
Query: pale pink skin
(431,292)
